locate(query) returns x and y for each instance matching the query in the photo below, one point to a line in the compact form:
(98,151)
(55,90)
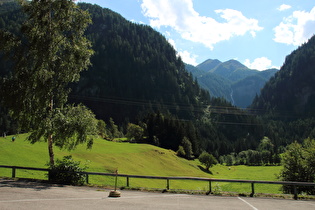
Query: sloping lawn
(132,159)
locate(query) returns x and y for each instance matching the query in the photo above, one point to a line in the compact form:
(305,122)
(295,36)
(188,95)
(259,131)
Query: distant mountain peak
(231,70)
(209,64)
(231,79)
(235,64)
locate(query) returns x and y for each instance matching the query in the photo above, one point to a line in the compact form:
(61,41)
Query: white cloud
(181,16)
(172,42)
(260,64)
(137,22)
(185,55)
(167,33)
(188,58)
(284,7)
(296,29)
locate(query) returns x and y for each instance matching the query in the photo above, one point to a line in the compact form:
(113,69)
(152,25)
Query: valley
(247,119)
(231,80)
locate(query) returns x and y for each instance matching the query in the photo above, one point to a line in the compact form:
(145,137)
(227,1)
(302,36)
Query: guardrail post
(167,184)
(87,178)
(295,192)
(253,190)
(13,172)
(127,177)
(210,188)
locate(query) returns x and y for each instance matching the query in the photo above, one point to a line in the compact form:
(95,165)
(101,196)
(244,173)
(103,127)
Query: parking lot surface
(34,195)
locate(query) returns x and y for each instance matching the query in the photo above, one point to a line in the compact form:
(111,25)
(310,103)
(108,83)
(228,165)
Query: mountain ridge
(291,92)
(231,80)
(208,65)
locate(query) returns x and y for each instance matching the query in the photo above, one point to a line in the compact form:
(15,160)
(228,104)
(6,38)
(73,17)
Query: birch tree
(48,54)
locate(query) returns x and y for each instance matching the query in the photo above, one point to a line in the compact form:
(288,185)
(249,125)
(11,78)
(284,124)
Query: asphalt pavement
(36,195)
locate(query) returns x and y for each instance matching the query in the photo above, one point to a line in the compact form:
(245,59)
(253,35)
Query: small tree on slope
(208,160)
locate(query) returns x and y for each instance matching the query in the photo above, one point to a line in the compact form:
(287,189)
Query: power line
(225,110)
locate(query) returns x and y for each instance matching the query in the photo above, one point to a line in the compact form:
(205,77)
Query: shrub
(135,132)
(181,152)
(299,165)
(63,172)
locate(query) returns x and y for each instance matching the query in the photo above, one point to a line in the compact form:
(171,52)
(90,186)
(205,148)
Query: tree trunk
(51,151)
(50,138)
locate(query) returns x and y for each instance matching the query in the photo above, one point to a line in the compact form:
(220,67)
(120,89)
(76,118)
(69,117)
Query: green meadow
(134,159)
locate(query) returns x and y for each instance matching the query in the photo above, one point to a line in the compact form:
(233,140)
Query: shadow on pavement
(27,183)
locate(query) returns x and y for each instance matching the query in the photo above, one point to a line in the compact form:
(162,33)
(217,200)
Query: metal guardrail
(209,180)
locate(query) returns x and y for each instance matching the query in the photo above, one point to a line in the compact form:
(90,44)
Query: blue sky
(258,33)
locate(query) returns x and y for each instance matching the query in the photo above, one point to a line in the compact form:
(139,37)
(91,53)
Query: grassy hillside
(135,159)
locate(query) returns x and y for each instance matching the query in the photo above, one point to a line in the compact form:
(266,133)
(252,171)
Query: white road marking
(248,203)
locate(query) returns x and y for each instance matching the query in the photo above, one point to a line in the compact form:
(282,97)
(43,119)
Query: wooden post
(253,190)
(295,192)
(116,180)
(210,188)
(87,178)
(167,184)
(13,172)
(115,193)
(127,181)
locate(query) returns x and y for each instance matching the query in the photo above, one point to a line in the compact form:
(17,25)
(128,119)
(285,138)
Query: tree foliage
(264,154)
(69,126)
(207,159)
(112,130)
(135,132)
(48,54)
(181,152)
(187,146)
(299,165)
(172,132)
(101,129)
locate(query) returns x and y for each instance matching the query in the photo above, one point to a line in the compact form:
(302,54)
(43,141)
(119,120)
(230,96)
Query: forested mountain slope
(215,84)
(134,70)
(291,93)
(245,90)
